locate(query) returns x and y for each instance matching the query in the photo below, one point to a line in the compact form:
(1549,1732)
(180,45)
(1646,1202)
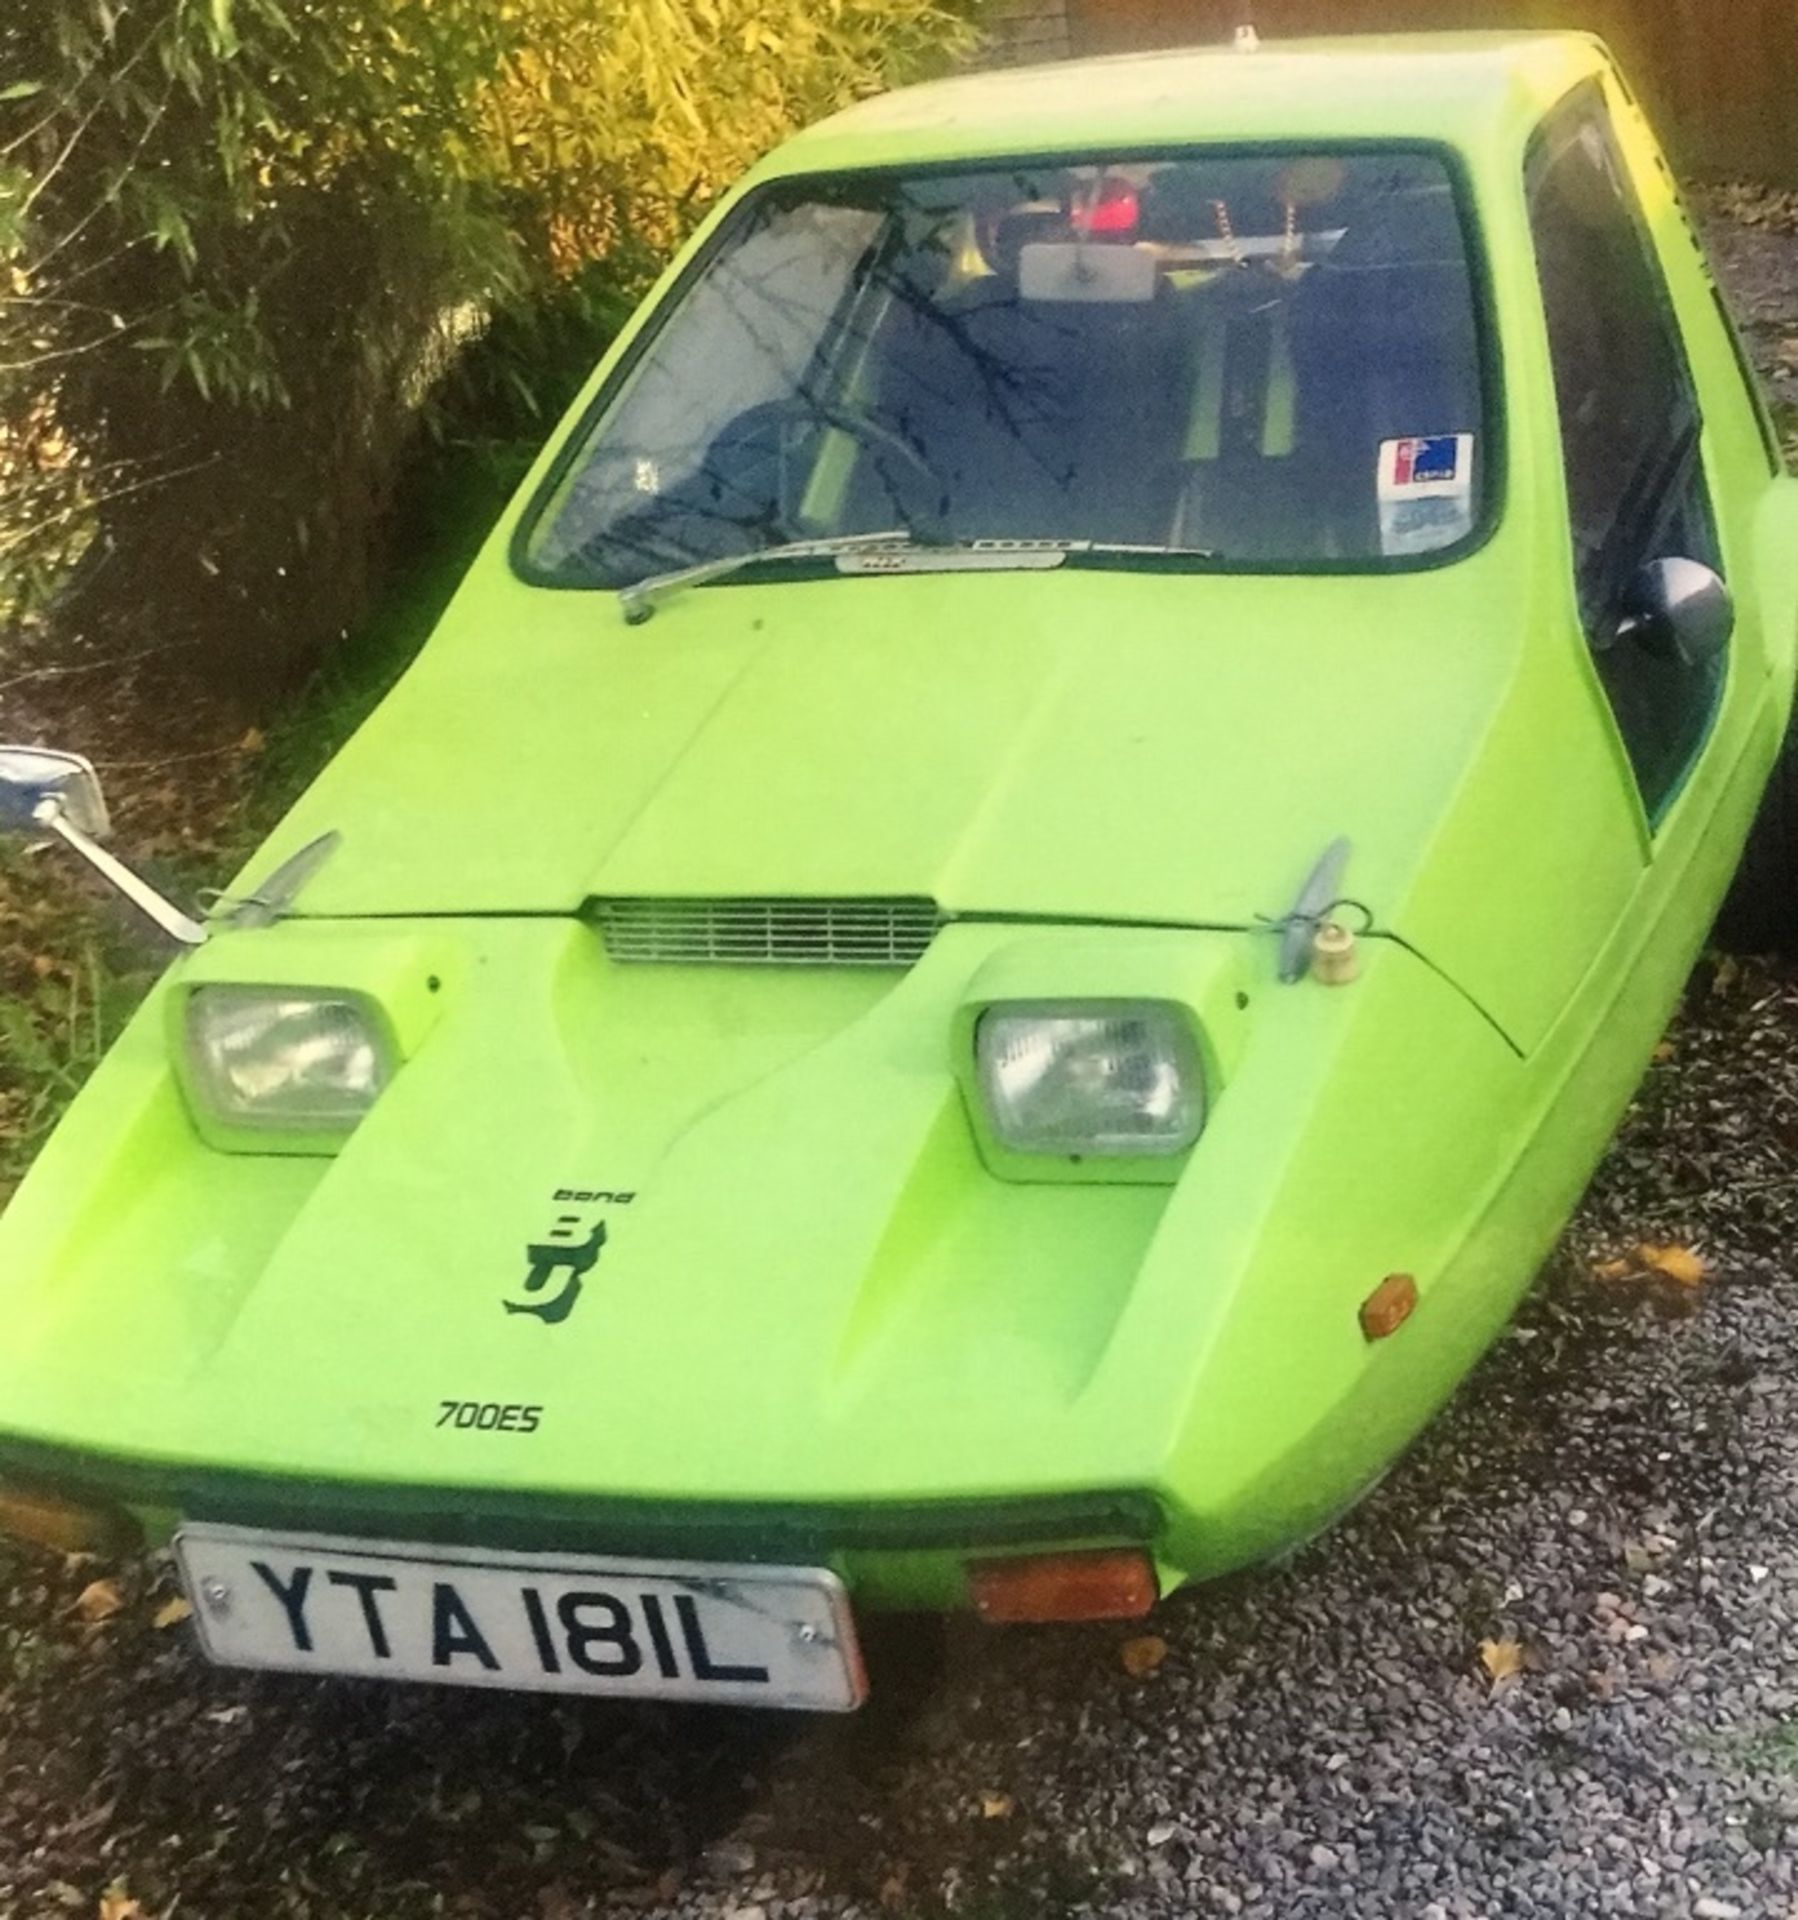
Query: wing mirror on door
(33,779)
(42,792)
(1678,610)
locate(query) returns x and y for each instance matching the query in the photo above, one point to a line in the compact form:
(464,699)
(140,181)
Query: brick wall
(1021,32)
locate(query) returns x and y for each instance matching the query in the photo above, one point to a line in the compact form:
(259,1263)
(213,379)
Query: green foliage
(248,250)
(242,240)
(75,961)
(629,117)
(70,975)
(454,500)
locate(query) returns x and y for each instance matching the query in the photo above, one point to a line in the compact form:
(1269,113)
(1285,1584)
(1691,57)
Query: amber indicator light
(1389,1306)
(1063,1586)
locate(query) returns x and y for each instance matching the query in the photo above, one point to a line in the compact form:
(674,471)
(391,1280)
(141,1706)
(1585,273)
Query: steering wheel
(733,500)
(875,435)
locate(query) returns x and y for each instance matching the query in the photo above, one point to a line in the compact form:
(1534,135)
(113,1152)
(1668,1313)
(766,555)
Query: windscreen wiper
(639,600)
(1001,555)
(901,552)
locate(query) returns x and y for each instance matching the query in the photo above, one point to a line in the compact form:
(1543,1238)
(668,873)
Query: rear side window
(1631,431)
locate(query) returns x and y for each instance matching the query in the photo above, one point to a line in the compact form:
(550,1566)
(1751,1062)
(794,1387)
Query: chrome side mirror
(1678,610)
(34,778)
(42,792)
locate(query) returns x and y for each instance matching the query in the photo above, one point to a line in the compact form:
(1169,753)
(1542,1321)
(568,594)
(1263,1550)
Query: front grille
(768,933)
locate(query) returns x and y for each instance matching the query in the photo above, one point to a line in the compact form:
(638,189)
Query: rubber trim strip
(678,1529)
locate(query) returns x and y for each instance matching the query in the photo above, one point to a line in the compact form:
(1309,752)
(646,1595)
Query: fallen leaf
(252,742)
(996,1806)
(1678,1264)
(99,1600)
(1613,1270)
(172,1612)
(1142,1655)
(1501,1659)
(1664,1052)
(116,1904)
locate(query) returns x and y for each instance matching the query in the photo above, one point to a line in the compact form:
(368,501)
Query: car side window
(1631,431)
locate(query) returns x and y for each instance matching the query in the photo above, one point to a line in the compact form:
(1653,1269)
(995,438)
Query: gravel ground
(1753,242)
(1606,1518)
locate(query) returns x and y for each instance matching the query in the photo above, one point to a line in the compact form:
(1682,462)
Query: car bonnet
(1090,745)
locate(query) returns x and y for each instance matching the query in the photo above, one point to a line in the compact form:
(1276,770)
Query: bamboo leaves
(211,215)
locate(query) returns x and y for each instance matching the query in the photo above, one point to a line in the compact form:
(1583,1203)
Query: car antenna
(1298,930)
(1248,36)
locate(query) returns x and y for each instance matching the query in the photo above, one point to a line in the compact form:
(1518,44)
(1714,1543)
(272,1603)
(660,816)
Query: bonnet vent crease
(767,932)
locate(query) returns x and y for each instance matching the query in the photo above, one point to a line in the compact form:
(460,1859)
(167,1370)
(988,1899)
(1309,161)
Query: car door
(1633,438)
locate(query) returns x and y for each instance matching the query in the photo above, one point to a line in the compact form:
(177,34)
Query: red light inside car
(1116,211)
(1063,1586)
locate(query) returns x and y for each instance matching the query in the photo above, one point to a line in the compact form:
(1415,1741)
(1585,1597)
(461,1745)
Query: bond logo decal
(547,1260)
(557,1266)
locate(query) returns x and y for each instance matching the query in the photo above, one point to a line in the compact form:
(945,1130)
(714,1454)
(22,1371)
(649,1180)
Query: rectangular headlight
(1091,1077)
(297,1059)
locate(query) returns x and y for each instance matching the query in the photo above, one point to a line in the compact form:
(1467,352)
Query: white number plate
(548,1623)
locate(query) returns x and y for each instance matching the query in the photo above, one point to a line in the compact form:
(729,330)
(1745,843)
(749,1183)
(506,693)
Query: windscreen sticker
(1426,492)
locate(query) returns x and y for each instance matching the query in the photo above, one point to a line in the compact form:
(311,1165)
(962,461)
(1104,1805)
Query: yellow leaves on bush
(630,119)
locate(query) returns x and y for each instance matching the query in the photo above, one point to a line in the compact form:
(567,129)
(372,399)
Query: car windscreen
(1270,360)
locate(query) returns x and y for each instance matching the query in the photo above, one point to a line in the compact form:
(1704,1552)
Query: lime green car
(998,928)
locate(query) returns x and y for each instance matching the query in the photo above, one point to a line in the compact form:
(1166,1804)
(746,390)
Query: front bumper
(891,1555)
